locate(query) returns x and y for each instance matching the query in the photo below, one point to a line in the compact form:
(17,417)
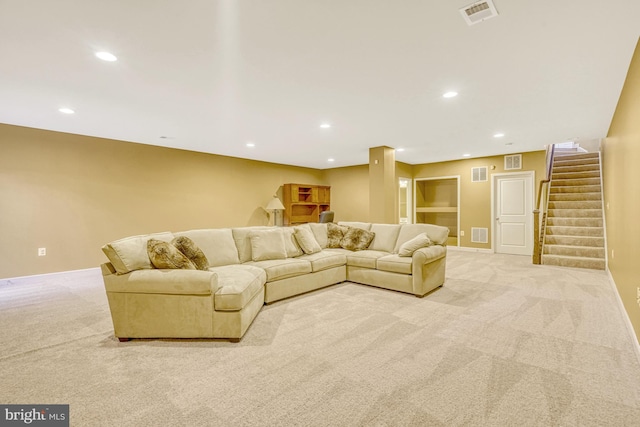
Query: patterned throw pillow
(191,251)
(335,233)
(165,255)
(357,239)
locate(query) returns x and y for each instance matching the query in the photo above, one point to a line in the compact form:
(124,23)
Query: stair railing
(539,224)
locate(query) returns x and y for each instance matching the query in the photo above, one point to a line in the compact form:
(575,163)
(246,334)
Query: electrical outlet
(42,251)
(461,233)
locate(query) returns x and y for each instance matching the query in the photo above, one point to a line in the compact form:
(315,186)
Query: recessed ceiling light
(466,155)
(400,149)
(106,56)
(331,160)
(450,94)
(325,126)
(498,135)
(508,143)
(250,144)
(66,110)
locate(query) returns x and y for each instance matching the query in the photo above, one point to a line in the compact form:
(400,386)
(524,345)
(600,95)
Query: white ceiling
(211,76)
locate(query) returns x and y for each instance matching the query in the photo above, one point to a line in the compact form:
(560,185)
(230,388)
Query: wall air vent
(479,174)
(478,12)
(479,235)
(513,162)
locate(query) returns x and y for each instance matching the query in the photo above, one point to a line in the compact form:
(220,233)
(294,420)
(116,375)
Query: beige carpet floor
(503,343)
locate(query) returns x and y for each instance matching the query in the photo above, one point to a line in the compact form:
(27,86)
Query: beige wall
(349,192)
(475,197)
(72,194)
(621,180)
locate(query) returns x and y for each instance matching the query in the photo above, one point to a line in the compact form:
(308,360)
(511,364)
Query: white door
(514,213)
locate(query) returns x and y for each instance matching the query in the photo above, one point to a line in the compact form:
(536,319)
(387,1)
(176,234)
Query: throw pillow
(291,244)
(191,251)
(410,246)
(267,244)
(335,233)
(165,255)
(357,239)
(307,241)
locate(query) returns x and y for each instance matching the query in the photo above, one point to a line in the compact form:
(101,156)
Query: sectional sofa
(251,266)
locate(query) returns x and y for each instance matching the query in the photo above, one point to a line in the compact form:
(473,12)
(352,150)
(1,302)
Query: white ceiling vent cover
(478,12)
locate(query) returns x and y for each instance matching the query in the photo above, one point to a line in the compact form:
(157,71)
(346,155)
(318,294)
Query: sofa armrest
(429,254)
(158,281)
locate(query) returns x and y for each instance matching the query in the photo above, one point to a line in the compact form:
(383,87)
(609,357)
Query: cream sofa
(246,272)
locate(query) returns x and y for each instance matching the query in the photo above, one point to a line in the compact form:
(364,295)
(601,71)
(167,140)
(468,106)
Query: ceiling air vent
(478,12)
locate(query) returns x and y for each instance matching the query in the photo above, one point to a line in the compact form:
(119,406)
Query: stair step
(579,251)
(574,181)
(576,189)
(569,161)
(576,262)
(597,242)
(579,204)
(575,175)
(577,156)
(570,197)
(576,168)
(574,222)
(574,231)
(575,213)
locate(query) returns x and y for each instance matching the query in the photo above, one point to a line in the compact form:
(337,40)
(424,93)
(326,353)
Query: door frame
(494,179)
(410,195)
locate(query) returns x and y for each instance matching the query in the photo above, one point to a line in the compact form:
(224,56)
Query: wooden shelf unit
(436,202)
(303,203)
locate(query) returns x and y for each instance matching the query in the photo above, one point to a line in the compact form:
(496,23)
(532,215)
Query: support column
(382,185)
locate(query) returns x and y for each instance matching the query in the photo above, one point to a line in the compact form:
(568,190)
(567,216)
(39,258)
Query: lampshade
(274,204)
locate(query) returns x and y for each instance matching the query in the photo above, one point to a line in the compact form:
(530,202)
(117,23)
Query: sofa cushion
(335,233)
(324,260)
(130,253)
(165,255)
(307,241)
(277,269)
(191,251)
(291,244)
(356,239)
(436,233)
(267,244)
(366,258)
(356,224)
(410,246)
(319,232)
(395,264)
(237,285)
(243,242)
(216,244)
(386,236)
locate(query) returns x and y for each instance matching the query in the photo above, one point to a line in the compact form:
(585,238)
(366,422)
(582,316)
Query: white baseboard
(625,316)
(467,249)
(35,276)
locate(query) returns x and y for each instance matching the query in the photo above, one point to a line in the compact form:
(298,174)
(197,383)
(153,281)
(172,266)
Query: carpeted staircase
(574,233)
